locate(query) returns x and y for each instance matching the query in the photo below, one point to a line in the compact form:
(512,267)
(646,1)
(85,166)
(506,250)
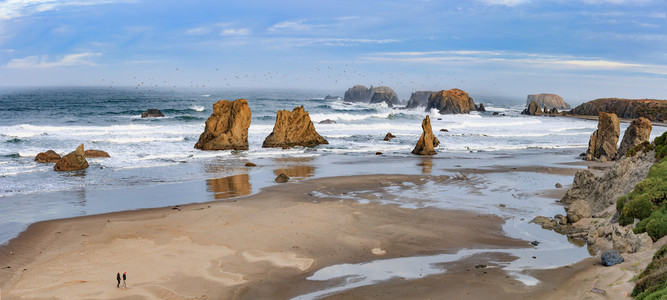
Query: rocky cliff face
(360,93)
(549,101)
(75,160)
(638,132)
(427,142)
(227,127)
(654,110)
(380,97)
(293,129)
(452,101)
(419,98)
(602,145)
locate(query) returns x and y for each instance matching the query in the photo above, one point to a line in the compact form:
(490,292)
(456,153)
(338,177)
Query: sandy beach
(266,245)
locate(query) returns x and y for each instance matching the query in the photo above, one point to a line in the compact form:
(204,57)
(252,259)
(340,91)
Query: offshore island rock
(454,101)
(360,93)
(427,141)
(533,109)
(602,145)
(293,129)
(75,160)
(49,156)
(419,98)
(152,113)
(227,127)
(548,101)
(385,97)
(638,132)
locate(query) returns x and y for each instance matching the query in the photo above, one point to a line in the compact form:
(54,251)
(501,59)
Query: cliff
(654,110)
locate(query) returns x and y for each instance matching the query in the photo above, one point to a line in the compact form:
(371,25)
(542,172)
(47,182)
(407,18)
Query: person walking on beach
(118,279)
(124,280)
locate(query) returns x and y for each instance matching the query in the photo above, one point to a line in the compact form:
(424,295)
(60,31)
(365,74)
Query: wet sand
(266,245)
(261,246)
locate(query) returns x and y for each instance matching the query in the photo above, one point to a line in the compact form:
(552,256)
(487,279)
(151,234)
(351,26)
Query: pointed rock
(638,132)
(293,129)
(427,142)
(227,127)
(602,145)
(73,161)
(533,109)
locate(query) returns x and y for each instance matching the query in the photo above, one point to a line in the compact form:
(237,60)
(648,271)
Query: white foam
(198,107)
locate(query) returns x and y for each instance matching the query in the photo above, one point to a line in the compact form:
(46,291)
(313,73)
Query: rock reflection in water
(228,187)
(299,170)
(427,166)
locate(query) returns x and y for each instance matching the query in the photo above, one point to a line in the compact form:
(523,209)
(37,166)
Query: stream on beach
(506,165)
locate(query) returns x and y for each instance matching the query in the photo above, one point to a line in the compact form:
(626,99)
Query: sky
(579,49)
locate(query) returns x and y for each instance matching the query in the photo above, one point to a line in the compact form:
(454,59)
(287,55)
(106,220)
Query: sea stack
(75,160)
(360,93)
(419,98)
(548,101)
(383,97)
(533,109)
(454,101)
(602,145)
(427,142)
(152,113)
(293,129)
(227,127)
(638,132)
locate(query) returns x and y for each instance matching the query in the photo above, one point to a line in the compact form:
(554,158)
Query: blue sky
(581,49)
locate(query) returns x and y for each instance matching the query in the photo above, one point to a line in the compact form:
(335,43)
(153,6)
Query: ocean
(153,161)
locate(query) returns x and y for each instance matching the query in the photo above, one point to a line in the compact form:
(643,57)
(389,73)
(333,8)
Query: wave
(189,118)
(12,155)
(198,107)
(139,140)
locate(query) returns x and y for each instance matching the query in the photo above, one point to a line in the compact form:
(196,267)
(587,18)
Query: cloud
(12,9)
(299,25)
(233,31)
(517,58)
(224,29)
(32,62)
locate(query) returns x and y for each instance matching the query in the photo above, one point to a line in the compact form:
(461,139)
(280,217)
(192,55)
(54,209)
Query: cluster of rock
(654,110)
(454,101)
(227,128)
(152,113)
(360,93)
(534,109)
(602,144)
(548,101)
(75,160)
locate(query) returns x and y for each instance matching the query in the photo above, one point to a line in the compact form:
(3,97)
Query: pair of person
(124,280)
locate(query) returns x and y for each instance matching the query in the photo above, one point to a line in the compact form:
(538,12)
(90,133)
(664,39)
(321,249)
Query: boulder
(293,129)
(327,121)
(454,101)
(602,145)
(533,109)
(545,222)
(389,136)
(49,156)
(419,98)
(385,97)
(75,160)
(282,178)
(152,113)
(250,164)
(638,132)
(427,142)
(227,127)
(611,257)
(96,154)
(578,210)
(548,101)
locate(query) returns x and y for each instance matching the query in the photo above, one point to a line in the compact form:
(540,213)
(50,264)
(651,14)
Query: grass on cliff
(652,282)
(648,201)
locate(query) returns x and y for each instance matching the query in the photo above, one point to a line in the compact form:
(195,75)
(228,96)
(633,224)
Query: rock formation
(638,132)
(548,101)
(578,210)
(49,156)
(329,97)
(327,121)
(419,98)
(360,93)
(611,257)
(389,136)
(452,101)
(533,109)
(427,142)
(293,129)
(654,110)
(73,161)
(380,97)
(602,145)
(481,107)
(620,179)
(152,113)
(227,127)
(282,178)
(96,154)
